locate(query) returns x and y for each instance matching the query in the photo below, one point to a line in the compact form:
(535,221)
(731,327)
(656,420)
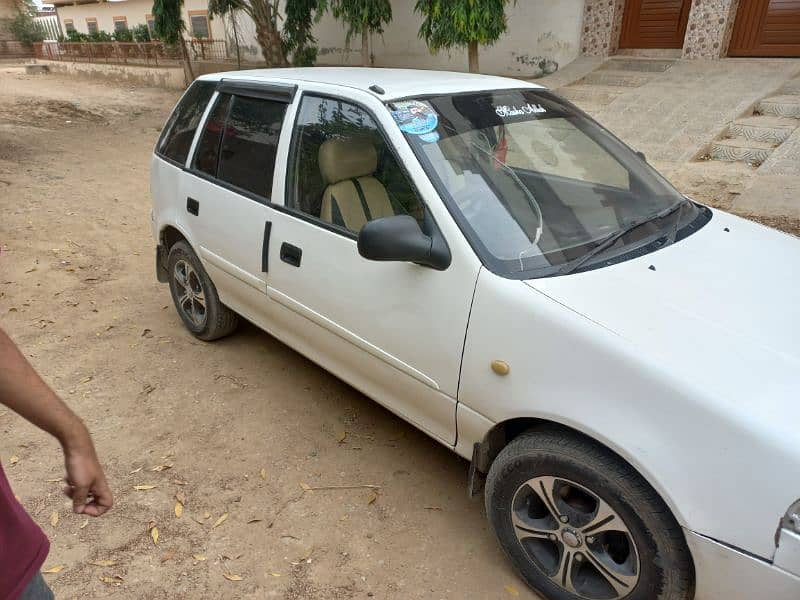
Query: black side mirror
(400,239)
(641,155)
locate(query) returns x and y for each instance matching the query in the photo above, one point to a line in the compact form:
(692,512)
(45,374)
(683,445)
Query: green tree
(23,26)
(123,35)
(301,15)
(364,17)
(141,33)
(169,27)
(461,23)
(265,16)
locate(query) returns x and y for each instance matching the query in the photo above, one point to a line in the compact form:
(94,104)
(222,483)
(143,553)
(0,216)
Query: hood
(721,307)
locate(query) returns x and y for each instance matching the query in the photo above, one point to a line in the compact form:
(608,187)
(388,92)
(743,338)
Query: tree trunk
(270,41)
(472,53)
(187,71)
(365,48)
(236,39)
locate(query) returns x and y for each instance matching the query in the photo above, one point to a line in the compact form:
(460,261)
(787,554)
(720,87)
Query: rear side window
(250,144)
(179,131)
(207,154)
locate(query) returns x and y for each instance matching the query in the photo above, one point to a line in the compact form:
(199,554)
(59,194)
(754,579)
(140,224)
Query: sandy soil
(236,427)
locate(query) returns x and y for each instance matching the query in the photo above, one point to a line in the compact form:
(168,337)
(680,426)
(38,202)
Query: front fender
(719,476)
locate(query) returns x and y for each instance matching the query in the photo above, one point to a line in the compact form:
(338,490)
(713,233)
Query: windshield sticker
(416,118)
(515,111)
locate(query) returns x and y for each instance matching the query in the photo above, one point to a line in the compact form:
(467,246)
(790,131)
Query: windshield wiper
(606,242)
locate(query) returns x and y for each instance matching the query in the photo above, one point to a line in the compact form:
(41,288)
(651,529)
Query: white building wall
(136,12)
(536,28)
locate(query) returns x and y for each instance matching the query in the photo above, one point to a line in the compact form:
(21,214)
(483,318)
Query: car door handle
(192,206)
(291,254)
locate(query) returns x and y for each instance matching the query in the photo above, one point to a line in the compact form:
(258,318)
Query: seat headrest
(341,159)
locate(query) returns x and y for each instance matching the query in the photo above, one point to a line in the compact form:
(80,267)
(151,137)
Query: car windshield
(537,185)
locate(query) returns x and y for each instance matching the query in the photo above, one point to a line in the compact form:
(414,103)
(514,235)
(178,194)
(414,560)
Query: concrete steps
(761,128)
(616,78)
(792,87)
(780,106)
(642,65)
(749,151)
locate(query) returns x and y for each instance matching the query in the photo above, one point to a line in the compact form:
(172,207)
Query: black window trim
(277,92)
(343,231)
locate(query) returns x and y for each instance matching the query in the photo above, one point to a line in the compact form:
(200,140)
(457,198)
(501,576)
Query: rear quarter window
(176,139)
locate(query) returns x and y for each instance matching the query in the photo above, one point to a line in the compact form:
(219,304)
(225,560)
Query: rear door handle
(192,206)
(291,254)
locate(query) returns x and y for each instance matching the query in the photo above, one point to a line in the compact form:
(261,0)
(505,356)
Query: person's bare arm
(24,392)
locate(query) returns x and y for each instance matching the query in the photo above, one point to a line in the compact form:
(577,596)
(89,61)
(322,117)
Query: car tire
(195,296)
(579,523)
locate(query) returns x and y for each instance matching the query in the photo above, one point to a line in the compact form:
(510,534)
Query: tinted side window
(178,133)
(207,154)
(250,144)
(342,169)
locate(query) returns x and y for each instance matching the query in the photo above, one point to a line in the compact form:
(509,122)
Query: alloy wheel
(191,297)
(575,538)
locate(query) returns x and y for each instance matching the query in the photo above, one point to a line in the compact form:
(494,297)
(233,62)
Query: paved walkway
(673,116)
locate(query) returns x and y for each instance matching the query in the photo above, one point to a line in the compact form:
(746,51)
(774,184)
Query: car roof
(396,83)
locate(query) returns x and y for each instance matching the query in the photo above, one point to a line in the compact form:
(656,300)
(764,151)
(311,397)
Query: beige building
(87,16)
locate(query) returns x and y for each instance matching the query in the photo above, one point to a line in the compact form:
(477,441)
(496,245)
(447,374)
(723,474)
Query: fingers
(103,499)
(79,496)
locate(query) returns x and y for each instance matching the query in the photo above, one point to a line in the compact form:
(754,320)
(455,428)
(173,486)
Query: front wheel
(579,523)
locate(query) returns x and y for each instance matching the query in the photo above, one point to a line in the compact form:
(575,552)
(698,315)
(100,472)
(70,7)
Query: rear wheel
(195,296)
(580,524)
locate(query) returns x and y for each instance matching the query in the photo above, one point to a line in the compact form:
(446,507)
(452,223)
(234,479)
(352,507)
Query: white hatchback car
(620,364)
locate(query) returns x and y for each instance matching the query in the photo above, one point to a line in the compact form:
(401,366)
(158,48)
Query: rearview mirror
(400,239)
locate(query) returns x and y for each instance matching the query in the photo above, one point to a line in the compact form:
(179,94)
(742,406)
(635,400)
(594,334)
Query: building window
(69,26)
(199,22)
(151,25)
(91,25)
(120,23)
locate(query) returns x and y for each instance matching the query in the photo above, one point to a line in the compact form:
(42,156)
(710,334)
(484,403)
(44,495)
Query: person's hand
(86,482)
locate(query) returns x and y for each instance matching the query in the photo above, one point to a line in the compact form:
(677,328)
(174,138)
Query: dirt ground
(238,427)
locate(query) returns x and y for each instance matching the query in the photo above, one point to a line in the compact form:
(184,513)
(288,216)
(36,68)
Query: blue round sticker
(416,118)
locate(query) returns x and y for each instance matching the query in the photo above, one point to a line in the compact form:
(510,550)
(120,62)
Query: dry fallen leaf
(135,471)
(305,486)
(13,460)
(56,480)
(103,563)
(153,532)
(142,488)
(512,590)
(86,379)
(178,509)
(199,557)
(180,497)
(275,574)
(160,468)
(55,569)
(373,496)
(341,436)
(206,515)
(84,524)
(111,579)
(263,473)
(198,520)
(232,577)
(254,521)
(219,521)
(54,518)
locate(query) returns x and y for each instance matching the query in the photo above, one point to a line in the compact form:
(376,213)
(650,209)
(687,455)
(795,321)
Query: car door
(394,330)
(229,182)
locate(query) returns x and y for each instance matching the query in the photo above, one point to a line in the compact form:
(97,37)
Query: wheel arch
(504,432)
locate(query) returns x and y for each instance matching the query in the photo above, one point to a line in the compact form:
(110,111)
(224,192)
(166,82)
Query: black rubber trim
(265,247)
(192,206)
(279,92)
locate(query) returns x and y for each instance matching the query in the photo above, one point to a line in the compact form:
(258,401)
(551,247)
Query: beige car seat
(352,196)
